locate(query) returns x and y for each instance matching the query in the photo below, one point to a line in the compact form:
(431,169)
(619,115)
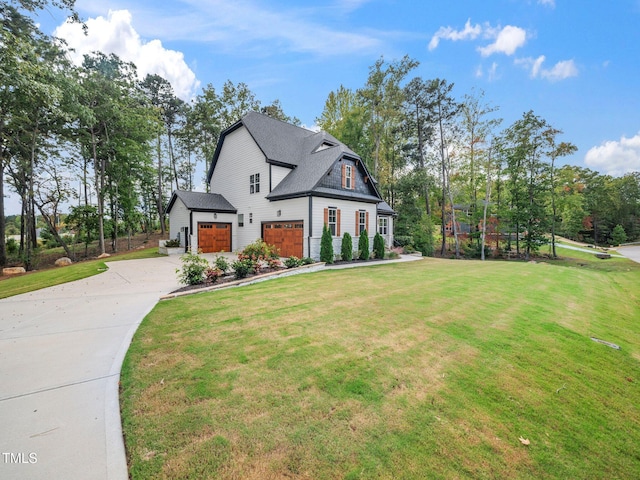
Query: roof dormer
(324,145)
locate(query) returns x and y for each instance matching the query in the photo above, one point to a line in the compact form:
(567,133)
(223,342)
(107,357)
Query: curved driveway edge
(631,252)
(61,350)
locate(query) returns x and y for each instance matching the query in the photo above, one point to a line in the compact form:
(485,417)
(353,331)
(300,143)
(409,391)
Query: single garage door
(287,236)
(214,237)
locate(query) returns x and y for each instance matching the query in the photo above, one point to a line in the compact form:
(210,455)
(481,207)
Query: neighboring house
(281,183)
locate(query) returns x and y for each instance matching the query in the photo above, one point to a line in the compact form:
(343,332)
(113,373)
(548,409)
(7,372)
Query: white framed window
(254,183)
(241,219)
(362,221)
(383,225)
(332,221)
(348,177)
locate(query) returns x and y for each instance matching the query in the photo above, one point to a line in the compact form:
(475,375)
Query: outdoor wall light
(279,212)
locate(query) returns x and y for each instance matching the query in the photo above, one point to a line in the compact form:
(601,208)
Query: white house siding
(277,175)
(231,179)
(347,223)
(388,238)
(178,221)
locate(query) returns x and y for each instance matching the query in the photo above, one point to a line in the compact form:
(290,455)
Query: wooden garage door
(214,237)
(287,236)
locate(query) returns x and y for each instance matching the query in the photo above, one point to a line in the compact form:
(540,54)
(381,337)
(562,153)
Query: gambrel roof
(202,202)
(310,156)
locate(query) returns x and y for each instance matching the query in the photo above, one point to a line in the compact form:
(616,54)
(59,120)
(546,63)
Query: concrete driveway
(61,350)
(631,252)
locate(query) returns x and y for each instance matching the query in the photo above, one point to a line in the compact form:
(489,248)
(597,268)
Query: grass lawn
(32,281)
(429,369)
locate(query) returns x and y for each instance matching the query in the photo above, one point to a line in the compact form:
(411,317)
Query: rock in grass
(13,270)
(63,262)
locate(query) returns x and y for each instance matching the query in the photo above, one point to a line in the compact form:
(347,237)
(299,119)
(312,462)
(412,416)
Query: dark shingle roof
(202,202)
(385,209)
(297,148)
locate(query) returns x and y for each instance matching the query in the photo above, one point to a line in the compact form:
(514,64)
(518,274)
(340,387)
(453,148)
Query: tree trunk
(487,196)
(444,184)
(3,245)
(553,211)
(99,168)
(54,232)
(159,205)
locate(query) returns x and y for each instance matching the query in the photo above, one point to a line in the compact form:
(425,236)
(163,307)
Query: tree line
(98,137)
(115,147)
(448,162)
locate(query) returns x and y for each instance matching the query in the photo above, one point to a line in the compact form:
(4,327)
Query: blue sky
(574,63)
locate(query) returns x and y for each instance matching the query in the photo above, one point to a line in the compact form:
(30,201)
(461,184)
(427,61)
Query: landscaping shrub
(222,263)
(378,246)
(347,247)
(257,252)
(213,274)
(292,262)
(363,246)
(193,268)
(307,261)
(12,246)
(174,242)
(326,246)
(242,268)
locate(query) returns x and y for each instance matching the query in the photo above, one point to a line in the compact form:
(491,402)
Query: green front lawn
(429,369)
(32,281)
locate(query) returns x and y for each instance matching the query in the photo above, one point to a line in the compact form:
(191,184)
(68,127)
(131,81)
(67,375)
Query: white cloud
(254,28)
(549,3)
(492,72)
(508,40)
(615,158)
(116,35)
(560,71)
(469,32)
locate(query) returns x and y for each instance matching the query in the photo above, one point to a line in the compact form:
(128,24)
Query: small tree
(326,245)
(618,235)
(347,247)
(363,245)
(378,245)
(423,236)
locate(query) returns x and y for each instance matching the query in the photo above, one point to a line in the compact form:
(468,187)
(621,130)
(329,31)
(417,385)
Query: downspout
(310,226)
(190,232)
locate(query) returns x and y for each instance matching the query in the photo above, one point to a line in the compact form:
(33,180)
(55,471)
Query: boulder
(104,255)
(63,262)
(13,270)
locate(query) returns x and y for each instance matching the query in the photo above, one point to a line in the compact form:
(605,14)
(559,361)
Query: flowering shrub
(292,262)
(193,268)
(212,274)
(258,253)
(242,267)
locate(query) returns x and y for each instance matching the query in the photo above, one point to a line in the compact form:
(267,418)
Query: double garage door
(287,236)
(214,237)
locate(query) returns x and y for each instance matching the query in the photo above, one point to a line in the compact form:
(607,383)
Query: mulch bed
(228,279)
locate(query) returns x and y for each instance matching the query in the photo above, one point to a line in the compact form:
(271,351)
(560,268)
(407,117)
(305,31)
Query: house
(281,183)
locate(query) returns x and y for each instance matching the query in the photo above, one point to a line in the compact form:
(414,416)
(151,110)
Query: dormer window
(324,146)
(348,177)
(254,183)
